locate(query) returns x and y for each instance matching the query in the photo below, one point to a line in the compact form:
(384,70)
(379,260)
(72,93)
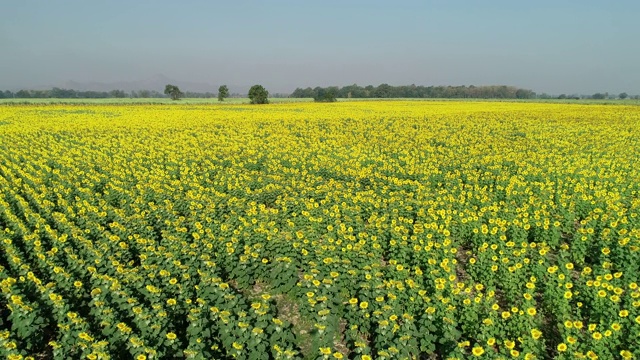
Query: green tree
(23,94)
(382,91)
(325,95)
(117,94)
(258,95)
(173,92)
(223,92)
(623,95)
(525,94)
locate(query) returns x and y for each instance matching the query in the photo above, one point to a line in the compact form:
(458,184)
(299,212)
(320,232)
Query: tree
(173,92)
(23,94)
(623,95)
(117,94)
(526,94)
(258,95)
(325,95)
(383,91)
(351,91)
(303,93)
(223,92)
(63,93)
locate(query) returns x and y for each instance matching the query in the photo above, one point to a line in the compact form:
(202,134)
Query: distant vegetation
(414,91)
(57,93)
(173,92)
(258,95)
(223,92)
(326,94)
(438,92)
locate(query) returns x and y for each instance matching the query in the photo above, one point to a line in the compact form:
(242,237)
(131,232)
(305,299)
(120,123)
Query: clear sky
(548,46)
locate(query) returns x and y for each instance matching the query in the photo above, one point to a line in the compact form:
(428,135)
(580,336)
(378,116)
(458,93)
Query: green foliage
(173,92)
(415,91)
(325,95)
(525,94)
(258,95)
(223,92)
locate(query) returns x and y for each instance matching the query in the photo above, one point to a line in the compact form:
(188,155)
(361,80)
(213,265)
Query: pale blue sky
(548,46)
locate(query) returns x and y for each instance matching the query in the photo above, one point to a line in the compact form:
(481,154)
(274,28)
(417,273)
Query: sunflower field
(352,230)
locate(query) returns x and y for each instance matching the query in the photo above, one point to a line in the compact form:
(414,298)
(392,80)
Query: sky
(556,47)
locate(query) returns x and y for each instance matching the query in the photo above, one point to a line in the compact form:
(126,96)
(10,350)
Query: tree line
(324,94)
(413,91)
(58,93)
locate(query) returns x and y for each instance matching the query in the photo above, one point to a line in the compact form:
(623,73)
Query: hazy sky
(548,46)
